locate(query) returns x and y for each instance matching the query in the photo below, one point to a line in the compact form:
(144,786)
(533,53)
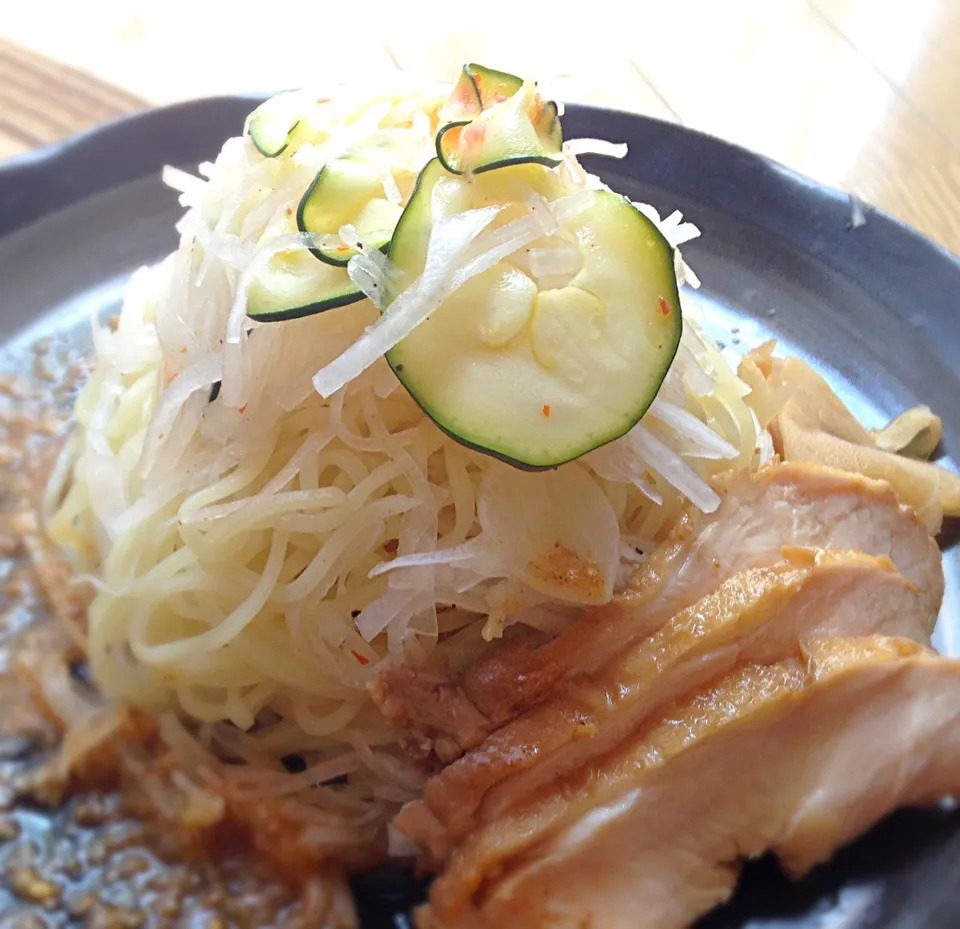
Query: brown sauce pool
(94,856)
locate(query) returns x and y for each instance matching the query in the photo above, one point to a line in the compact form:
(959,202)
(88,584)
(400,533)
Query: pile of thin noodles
(259,553)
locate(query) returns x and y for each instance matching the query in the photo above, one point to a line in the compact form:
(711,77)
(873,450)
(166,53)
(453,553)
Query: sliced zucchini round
(540,377)
(272,125)
(547,125)
(522,129)
(346,191)
(476,89)
(295,284)
(270,138)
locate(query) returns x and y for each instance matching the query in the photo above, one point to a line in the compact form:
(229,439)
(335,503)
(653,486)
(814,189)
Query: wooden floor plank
(777,78)
(83,88)
(915,44)
(42,102)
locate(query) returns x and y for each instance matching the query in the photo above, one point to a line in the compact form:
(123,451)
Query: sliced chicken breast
(797,757)
(758,616)
(760,513)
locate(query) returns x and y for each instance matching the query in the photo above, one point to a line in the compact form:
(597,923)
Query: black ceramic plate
(874,307)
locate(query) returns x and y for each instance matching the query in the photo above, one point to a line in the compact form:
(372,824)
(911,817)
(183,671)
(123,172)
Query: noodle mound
(259,553)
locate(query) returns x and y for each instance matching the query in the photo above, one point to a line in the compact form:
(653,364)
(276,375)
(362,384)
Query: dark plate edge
(760,191)
(44,180)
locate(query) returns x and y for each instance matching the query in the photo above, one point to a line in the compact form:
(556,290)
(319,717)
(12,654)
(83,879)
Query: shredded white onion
(450,238)
(368,268)
(578,147)
(191,187)
(567,208)
(617,462)
(503,242)
(375,617)
(369,278)
(708,443)
(348,235)
(391,189)
(198,377)
(671,466)
(444,556)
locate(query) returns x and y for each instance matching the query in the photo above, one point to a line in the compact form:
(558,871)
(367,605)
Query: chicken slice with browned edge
(797,757)
(760,513)
(758,616)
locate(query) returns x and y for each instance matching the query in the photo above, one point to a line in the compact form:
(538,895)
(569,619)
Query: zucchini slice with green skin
(540,377)
(476,89)
(295,284)
(345,191)
(272,124)
(520,130)
(270,138)
(548,126)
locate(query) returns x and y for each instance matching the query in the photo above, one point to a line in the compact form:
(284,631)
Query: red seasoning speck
(243,409)
(664,307)
(546,409)
(360,658)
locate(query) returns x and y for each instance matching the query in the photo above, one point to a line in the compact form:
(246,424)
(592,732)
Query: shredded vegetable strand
(595,147)
(450,238)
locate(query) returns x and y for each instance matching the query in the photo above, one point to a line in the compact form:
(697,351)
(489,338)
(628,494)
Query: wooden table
(859,94)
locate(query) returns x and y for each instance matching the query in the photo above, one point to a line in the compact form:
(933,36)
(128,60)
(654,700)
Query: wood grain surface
(42,101)
(858,94)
